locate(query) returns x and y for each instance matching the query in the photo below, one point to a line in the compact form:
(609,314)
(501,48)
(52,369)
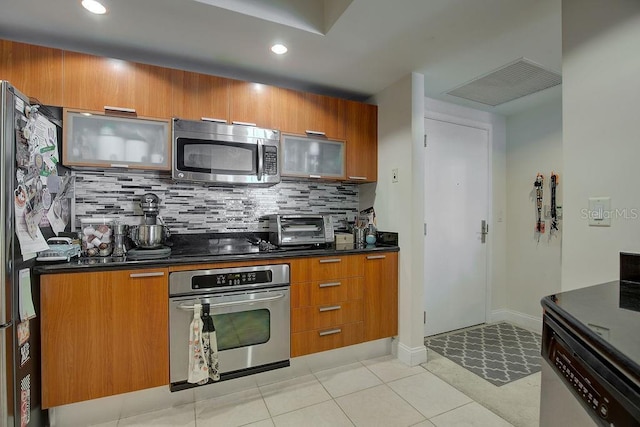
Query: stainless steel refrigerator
(19,341)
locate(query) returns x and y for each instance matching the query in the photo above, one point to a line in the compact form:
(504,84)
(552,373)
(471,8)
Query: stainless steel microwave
(218,153)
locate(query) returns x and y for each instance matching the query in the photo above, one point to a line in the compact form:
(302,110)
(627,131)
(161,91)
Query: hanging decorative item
(554,208)
(537,185)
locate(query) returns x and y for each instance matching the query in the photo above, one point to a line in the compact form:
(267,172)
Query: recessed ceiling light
(279,49)
(94,6)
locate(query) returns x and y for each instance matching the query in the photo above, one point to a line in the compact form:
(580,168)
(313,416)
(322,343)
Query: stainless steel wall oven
(250,307)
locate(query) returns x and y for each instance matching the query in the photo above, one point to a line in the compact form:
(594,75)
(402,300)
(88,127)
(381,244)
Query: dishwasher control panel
(597,396)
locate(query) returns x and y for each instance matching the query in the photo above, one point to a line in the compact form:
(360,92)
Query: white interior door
(456,203)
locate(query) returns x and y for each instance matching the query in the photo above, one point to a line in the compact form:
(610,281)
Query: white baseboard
(411,356)
(523,320)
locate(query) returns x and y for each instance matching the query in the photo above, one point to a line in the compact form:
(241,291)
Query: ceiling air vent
(512,81)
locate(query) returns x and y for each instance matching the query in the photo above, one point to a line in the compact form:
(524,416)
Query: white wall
(534,144)
(399,206)
(498,205)
(601,134)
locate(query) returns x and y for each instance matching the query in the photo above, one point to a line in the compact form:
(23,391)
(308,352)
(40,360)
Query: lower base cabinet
(326,339)
(351,299)
(380,295)
(104,333)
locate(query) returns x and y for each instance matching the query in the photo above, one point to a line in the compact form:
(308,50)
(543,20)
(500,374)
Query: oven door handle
(186,307)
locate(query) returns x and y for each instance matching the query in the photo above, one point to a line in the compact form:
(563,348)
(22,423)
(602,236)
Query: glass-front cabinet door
(95,140)
(312,157)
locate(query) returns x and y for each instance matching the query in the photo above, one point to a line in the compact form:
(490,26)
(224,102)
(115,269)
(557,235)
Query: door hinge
(424,317)
(425,228)
(425,140)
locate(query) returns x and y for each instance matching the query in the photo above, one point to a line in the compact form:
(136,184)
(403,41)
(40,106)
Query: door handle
(151,274)
(260,159)
(484,230)
(232,303)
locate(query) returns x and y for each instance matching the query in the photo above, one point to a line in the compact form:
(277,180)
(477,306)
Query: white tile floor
(377,392)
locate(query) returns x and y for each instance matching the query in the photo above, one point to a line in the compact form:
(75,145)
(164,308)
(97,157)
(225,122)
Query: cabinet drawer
(327,268)
(326,292)
(326,339)
(326,316)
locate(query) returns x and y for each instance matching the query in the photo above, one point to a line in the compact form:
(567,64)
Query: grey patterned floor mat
(499,353)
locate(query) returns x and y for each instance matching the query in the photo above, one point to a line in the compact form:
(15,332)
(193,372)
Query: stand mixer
(149,237)
(150,204)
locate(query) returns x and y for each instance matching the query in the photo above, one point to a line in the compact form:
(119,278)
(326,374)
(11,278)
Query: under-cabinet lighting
(94,6)
(279,49)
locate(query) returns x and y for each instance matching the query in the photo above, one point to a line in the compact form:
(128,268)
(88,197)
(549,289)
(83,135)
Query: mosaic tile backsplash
(195,208)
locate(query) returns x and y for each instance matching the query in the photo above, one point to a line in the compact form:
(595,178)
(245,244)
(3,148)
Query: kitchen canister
(96,235)
(359,236)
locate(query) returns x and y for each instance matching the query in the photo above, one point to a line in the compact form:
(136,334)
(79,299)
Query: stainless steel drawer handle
(152,274)
(187,307)
(327,261)
(330,332)
(376,257)
(315,176)
(315,132)
(358,178)
(120,109)
(329,285)
(330,308)
(212,119)
(119,165)
(236,122)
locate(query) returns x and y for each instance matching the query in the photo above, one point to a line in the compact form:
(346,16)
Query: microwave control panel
(270,160)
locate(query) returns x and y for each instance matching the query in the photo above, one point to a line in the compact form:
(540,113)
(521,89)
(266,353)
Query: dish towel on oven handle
(210,343)
(198,368)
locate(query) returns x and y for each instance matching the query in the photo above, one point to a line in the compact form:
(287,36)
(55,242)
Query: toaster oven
(293,230)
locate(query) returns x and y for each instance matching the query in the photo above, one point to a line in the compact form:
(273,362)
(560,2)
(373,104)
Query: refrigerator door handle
(6,179)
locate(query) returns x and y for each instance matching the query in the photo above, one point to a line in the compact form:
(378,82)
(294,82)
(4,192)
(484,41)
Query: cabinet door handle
(330,308)
(235,122)
(315,176)
(376,257)
(315,132)
(329,285)
(119,165)
(151,274)
(120,109)
(326,261)
(330,332)
(358,178)
(211,119)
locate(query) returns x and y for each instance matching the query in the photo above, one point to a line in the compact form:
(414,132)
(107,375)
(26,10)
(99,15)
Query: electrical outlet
(394,175)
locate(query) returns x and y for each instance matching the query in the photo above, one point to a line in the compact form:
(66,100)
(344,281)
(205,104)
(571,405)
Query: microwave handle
(260,159)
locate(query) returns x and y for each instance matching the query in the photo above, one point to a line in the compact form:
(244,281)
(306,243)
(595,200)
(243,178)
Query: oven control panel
(199,282)
(231,279)
(588,387)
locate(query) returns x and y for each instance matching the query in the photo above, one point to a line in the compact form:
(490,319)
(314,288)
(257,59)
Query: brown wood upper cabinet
(362,141)
(307,113)
(253,103)
(105,333)
(35,71)
(200,96)
(98,84)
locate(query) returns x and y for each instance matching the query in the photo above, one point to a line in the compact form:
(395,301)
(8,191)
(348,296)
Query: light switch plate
(599,213)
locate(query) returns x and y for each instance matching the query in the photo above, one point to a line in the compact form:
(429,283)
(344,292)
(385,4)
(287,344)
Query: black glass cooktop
(610,311)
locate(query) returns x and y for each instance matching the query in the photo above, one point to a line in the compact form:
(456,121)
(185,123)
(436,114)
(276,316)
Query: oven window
(242,329)
(216,157)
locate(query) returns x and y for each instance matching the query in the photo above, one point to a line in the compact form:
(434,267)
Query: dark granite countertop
(115,263)
(607,316)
